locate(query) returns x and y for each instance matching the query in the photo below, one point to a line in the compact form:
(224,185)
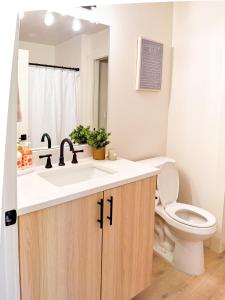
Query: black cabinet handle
(101,203)
(111,210)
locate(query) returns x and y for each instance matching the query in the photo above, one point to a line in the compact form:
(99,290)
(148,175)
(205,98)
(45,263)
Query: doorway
(100,92)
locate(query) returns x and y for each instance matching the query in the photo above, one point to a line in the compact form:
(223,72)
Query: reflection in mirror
(62,76)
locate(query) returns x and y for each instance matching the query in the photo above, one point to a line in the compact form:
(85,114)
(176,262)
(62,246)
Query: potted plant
(98,139)
(80,134)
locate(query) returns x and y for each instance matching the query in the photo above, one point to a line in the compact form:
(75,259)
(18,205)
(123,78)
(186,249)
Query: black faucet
(74,160)
(46,135)
(61,157)
(48,162)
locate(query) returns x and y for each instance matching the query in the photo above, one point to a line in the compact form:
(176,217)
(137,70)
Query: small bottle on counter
(112,155)
(26,153)
(19,160)
(19,154)
(27,157)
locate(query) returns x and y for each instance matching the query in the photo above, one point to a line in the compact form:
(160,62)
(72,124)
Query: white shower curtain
(52,104)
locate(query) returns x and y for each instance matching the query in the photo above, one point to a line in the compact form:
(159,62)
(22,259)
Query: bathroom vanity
(89,240)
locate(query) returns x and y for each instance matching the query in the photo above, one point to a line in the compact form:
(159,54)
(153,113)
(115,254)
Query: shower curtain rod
(56,67)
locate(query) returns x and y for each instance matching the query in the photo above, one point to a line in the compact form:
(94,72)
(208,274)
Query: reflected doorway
(101,93)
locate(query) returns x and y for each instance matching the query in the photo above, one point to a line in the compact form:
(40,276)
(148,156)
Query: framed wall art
(149,65)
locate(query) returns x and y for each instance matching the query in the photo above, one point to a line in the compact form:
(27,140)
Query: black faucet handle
(78,151)
(74,160)
(45,155)
(48,162)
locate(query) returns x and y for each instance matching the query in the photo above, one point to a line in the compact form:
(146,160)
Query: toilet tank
(157,162)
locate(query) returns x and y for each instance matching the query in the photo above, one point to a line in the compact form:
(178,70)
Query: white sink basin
(74,174)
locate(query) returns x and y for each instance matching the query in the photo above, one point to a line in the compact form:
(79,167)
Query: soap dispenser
(27,155)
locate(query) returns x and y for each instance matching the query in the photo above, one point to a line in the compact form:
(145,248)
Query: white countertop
(35,193)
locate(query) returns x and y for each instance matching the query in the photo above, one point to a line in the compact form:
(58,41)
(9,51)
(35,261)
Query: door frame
(96,74)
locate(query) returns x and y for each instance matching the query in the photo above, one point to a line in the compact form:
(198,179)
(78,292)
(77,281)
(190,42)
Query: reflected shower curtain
(52,104)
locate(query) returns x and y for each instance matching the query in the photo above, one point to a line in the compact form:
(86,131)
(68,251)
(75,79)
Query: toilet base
(187,257)
(179,245)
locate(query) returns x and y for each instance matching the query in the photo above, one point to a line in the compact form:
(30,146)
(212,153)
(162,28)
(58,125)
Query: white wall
(39,53)
(137,119)
(100,44)
(196,127)
(68,53)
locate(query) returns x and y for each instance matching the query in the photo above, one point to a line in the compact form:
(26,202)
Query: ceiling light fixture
(49,18)
(76,25)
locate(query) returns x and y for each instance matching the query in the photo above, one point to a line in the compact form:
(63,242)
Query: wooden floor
(170,284)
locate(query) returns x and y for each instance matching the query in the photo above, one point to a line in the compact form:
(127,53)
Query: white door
(9,263)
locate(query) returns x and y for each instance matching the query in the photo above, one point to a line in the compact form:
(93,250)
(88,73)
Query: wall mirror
(62,76)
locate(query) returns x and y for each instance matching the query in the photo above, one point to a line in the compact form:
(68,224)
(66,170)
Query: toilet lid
(168,184)
(190,215)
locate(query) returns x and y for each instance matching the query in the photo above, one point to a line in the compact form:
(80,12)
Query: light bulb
(76,25)
(49,19)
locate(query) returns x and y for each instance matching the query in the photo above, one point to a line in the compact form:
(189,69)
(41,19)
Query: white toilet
(180,229)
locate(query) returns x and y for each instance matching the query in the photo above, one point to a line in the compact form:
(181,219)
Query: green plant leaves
(80,134)
(98,138)
(95,138)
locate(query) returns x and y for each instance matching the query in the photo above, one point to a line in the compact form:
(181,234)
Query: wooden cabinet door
(128,242)
(60,252)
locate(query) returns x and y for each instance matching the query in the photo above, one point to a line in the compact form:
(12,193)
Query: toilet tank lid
(157,162)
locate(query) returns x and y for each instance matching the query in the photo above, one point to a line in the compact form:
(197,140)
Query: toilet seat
(168,188)
(190,215)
